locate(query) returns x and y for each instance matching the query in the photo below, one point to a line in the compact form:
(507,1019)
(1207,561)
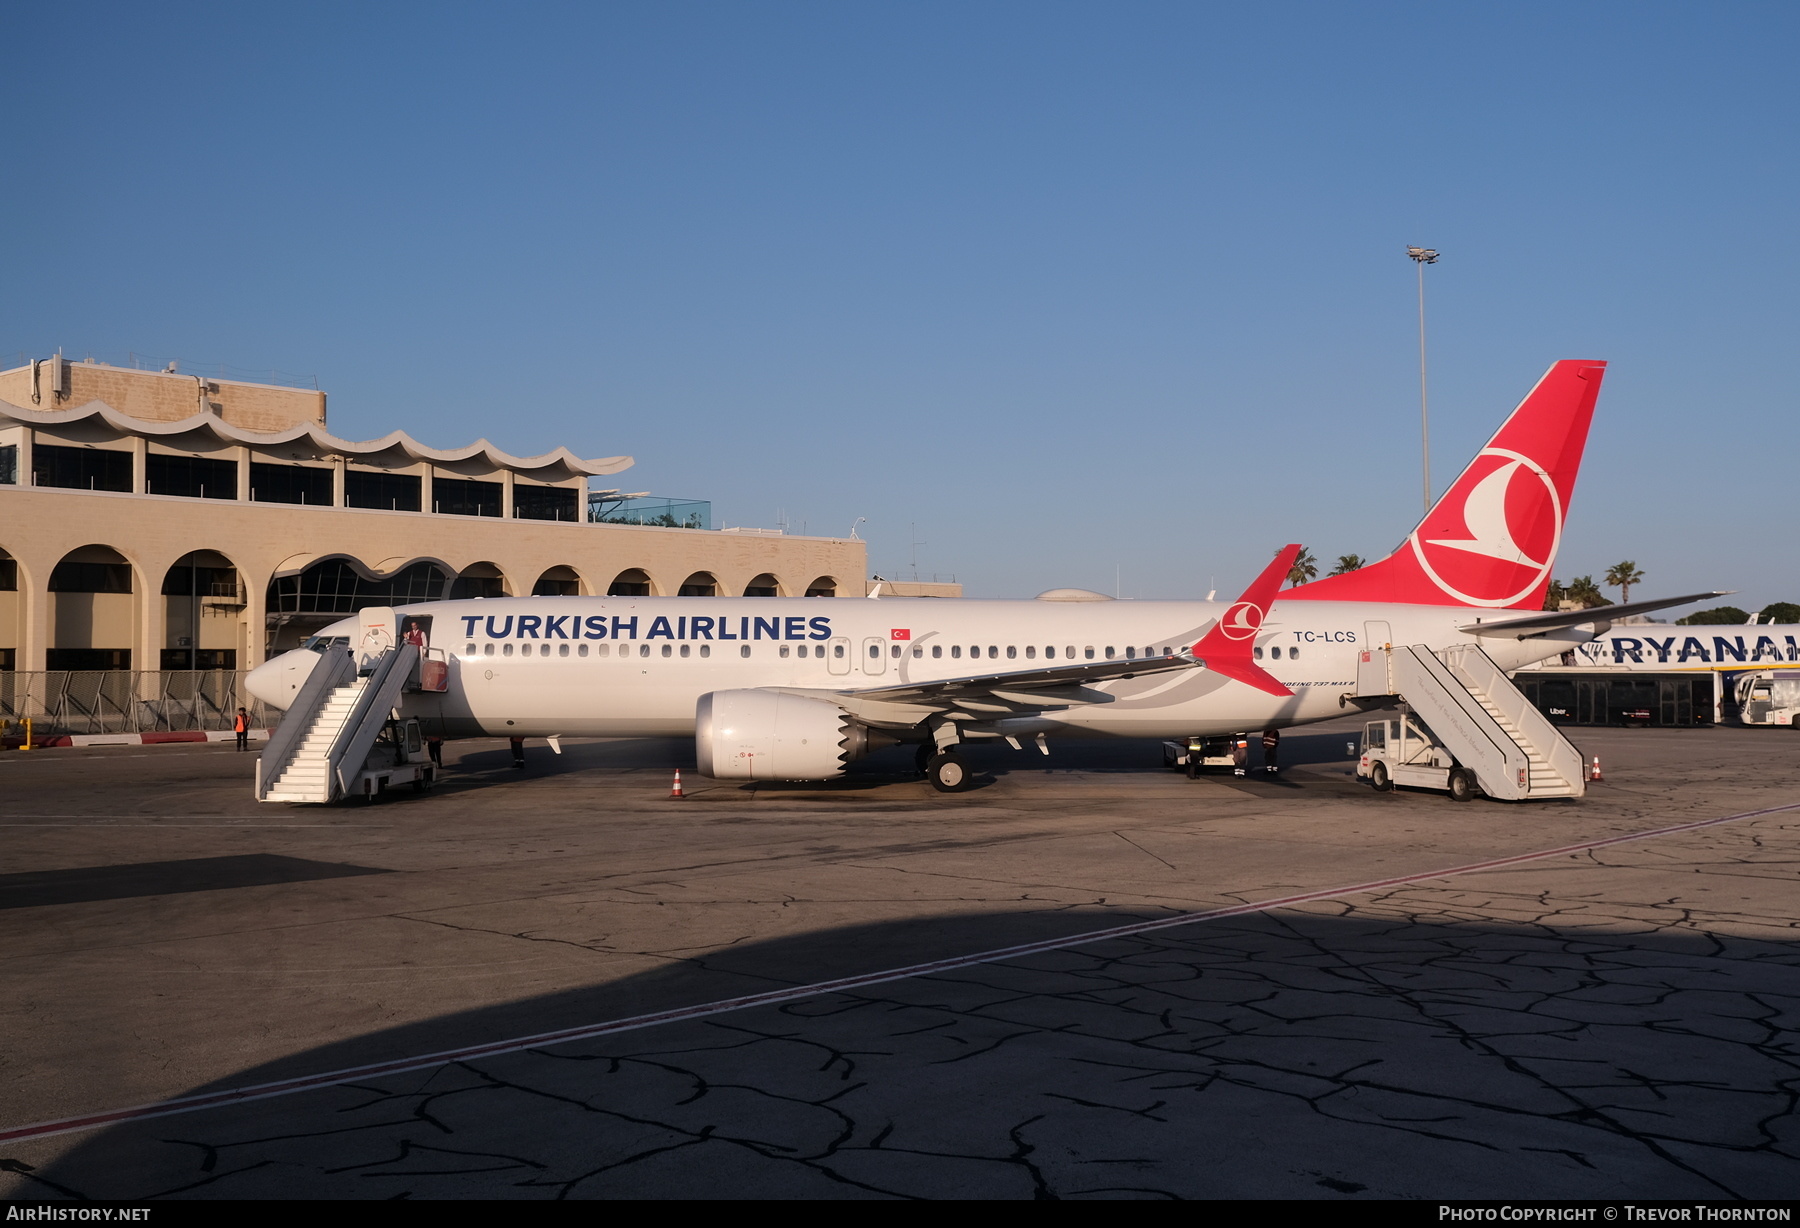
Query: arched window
(824,586)
(764,585)
(632,582)
(700,584)
(92,616)
(557,582)
(203,605)
(479,580)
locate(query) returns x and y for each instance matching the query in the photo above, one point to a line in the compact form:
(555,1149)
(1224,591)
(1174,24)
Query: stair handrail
(333,671)
(1471,663)
(387,679)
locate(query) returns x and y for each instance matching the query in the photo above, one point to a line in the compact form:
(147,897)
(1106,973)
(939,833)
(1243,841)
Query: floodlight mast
(1423,256)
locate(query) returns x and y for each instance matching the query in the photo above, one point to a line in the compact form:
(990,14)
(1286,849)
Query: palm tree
(1623,576)
(1582,589)
(1348,563)
(1555,595)
(1305,567)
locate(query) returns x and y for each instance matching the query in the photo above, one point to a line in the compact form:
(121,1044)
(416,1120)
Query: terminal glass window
(9,465)
(390,492)
(334,587)
(200,582)
(71,577)
(302,484)
(546,502)
(87,658)
(191,477)
(80,468)
(460,497)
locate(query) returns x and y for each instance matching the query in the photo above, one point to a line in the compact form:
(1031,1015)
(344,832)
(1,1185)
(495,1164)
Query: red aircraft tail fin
(1226,648)
(1491,540)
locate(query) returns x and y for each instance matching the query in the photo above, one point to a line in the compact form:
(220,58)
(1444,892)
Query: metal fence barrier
(60,701)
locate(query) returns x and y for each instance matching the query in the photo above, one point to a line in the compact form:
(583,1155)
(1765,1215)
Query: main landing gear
(947,772)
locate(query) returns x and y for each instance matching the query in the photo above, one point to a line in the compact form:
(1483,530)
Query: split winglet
(1226,648)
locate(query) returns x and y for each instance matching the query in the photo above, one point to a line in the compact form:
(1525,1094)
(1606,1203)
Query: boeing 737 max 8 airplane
(795,689)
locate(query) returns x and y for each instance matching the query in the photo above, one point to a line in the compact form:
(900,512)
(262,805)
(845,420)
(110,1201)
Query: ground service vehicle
(1402,751)
(1770,697)
(1196,754)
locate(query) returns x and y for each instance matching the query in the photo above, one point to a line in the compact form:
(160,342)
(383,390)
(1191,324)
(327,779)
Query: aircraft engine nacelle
(766,735)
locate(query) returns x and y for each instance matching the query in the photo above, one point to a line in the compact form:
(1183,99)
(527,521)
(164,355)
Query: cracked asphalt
(1617,1022)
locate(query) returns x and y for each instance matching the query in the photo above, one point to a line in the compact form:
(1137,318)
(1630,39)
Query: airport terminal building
(162,532)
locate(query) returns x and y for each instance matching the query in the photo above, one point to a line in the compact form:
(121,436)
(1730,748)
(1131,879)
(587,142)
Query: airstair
(1479,716)
(321,745)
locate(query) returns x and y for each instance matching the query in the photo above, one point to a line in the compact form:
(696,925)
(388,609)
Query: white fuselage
(636,666)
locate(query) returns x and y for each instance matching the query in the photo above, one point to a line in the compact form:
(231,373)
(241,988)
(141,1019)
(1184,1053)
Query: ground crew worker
(435,745)
(241,727)
(1271,744)
(1240,754)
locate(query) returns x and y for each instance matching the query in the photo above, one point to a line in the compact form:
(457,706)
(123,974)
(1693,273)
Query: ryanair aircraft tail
(1491,540)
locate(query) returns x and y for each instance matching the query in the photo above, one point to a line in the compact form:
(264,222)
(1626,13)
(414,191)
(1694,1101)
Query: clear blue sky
(1070,287)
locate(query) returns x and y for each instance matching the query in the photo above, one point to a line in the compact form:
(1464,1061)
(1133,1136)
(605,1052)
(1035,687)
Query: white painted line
(777,997)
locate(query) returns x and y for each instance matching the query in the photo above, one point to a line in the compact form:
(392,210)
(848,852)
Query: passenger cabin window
(506,651)
(487,650)
(937,650)
(894,651)
(581,650)
(1292,653)
(837,650)
(684,650)
(1089,650)
(603,650)
(1256,653)
(1030,652)
(562,650)
(1012,652)
(706,650)
(955,652)
(918,650)
(874,651)
(470,652)
(643,650)
(1130,653)
(743,650)
(782,651)
(1109,652)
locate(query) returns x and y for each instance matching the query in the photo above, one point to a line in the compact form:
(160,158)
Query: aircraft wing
(997,694)
(1036,682)
(1553,620)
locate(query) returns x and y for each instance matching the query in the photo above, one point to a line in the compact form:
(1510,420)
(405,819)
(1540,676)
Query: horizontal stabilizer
(1553,619)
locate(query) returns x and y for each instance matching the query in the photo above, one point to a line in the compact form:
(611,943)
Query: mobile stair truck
(1464,728)
(341,737)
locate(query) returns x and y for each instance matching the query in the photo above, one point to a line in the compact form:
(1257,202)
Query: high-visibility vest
(240,725)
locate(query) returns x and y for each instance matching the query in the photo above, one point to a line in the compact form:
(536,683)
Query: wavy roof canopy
(203,431)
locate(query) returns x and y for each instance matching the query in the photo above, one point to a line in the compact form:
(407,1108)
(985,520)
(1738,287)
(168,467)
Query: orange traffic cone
(1594,774)
(675,790)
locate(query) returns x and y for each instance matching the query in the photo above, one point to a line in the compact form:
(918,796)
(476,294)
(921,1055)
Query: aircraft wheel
(1378,777)
(1462,786)
(947,773)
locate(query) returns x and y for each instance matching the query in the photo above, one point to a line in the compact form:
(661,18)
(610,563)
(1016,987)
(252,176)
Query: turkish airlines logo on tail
(1241,621)
(1493,538)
